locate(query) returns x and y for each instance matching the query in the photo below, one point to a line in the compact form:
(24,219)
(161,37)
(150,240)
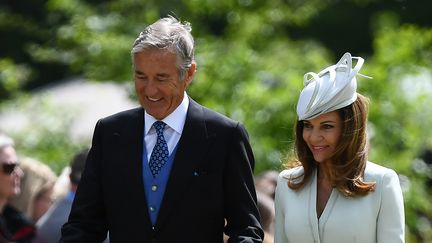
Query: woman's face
(322,135)
(10,174)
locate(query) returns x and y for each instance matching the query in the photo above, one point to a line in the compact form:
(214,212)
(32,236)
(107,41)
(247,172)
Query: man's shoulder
(125,115)
(214,117)
(62,207)
(56,215)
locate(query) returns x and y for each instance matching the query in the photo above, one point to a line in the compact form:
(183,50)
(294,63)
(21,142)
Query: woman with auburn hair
(330,192)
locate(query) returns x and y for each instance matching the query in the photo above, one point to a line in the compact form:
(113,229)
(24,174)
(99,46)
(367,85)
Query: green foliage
(45,136)
(401,115)
(12,76)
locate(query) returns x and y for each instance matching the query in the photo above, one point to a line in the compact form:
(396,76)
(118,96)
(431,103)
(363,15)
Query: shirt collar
(175,120)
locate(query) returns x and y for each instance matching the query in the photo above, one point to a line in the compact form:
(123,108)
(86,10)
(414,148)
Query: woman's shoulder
(14,216)
(19,226)
(376,172)
(283,190)
(291,173)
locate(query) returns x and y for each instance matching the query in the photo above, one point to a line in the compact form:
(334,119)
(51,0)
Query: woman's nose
(316,135)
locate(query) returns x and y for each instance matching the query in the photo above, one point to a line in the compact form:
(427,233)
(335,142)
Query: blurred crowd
(35,202)
(265,184)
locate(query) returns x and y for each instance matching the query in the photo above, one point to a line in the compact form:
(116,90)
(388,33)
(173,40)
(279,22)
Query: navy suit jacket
(211,181)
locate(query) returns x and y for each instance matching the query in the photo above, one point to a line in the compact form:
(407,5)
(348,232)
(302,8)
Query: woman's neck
(323,173)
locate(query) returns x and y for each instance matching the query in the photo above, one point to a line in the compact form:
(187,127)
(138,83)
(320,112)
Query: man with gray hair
(171,170)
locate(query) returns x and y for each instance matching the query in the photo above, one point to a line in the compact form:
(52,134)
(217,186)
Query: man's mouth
(153,99)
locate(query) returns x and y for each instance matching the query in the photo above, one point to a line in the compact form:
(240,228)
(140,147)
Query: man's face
(157,82)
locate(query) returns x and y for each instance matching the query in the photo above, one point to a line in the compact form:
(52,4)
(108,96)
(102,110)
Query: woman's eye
(327,126)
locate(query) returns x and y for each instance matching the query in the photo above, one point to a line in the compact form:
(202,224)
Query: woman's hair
(38,179)
(349,160)
(172,35)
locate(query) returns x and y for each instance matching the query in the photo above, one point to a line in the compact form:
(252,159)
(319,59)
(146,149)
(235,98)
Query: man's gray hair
(170,34)
(6,141)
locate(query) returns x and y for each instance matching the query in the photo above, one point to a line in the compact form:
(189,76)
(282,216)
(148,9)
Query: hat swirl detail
(333,88)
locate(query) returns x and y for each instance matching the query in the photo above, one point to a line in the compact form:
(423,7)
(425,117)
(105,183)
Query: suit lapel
(131,136)
(191,148)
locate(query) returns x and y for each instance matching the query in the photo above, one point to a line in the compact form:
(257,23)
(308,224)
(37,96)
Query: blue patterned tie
(160,151)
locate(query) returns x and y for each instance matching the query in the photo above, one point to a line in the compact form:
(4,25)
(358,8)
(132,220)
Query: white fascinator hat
(333,88)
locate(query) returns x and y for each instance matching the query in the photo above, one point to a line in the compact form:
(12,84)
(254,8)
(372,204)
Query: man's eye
(162,79)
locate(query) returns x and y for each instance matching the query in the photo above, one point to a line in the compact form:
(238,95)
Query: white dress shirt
(173,130)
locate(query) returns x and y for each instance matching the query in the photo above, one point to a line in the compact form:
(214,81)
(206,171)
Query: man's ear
(190,74)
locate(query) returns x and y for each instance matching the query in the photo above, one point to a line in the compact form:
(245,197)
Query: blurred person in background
(332,193)
(266,182)
(49,226)
(63,184)
(171,170)
(14,225)
(36,189)
(267,213)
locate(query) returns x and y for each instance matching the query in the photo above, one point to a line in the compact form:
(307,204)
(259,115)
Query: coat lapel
(131,136)
(191,148)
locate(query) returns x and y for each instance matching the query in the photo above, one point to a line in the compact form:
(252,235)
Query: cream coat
(375,218)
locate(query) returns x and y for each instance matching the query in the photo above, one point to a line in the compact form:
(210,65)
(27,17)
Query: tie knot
(159,126)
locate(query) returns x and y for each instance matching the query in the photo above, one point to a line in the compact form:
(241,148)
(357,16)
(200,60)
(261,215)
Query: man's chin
(157,115)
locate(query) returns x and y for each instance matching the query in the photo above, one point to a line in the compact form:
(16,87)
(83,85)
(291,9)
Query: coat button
(154,188)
